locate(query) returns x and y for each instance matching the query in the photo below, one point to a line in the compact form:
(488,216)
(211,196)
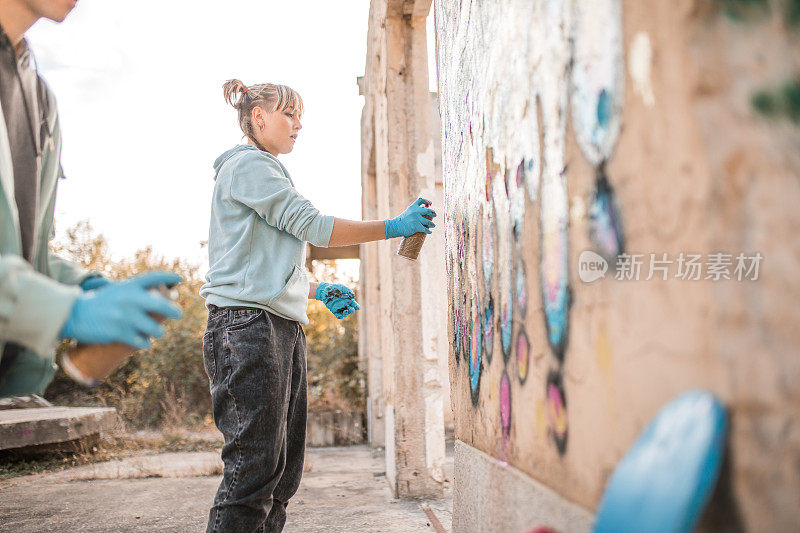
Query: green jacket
(35,298)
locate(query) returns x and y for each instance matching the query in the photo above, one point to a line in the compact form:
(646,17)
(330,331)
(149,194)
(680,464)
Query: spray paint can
(89,364)
(411,246)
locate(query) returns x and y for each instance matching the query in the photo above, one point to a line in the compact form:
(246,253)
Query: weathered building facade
(657,141)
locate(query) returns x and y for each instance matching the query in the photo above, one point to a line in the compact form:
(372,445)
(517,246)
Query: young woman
(257,293)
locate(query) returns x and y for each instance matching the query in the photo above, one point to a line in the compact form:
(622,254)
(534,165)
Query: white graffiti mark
(597,77)
(640,65)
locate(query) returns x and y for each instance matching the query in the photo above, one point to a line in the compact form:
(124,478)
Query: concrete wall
(553,113)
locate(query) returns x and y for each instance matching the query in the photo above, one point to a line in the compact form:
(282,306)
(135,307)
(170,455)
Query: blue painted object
(664,482)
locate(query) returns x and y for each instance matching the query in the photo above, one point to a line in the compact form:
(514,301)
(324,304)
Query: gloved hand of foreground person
(412,220)
(339,299)
(118,312)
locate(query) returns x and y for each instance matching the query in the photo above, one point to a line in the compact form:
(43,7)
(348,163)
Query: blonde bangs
(288,100)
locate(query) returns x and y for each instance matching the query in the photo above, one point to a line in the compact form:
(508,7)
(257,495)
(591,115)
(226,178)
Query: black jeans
(256,363)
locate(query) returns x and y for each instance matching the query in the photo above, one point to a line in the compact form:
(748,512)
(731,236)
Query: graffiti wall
(576,143)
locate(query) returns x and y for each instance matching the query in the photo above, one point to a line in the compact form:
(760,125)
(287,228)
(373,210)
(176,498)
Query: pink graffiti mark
(465,344)
(505,406)
(476,334)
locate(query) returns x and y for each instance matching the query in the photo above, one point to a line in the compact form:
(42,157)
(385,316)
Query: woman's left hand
(339,299)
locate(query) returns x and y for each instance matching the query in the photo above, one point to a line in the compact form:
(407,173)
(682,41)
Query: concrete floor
(343,490)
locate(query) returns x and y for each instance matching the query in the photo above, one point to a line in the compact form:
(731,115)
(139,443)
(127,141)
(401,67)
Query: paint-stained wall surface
(621,191)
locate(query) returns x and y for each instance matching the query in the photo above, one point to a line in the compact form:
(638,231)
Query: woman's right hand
(415,219)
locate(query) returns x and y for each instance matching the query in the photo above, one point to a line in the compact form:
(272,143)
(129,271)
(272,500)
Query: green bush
(166,385)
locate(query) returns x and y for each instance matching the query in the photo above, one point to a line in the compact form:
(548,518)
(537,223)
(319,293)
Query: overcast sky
(139,89)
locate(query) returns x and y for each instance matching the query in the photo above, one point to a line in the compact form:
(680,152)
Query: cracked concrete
(343,490)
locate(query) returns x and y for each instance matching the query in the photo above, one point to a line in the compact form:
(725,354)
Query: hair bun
(234,91)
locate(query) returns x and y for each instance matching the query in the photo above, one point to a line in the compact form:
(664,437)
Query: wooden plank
(47,425)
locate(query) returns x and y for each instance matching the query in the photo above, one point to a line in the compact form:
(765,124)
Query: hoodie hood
(230,153)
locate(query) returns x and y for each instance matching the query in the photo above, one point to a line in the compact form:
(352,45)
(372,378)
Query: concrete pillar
(369,347)
(400,130)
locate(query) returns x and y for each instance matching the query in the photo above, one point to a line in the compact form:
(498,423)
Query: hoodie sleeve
(259,183)
(33,307)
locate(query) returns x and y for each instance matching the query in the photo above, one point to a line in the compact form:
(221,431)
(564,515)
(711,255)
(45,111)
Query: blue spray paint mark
(556,315)
(475,350)
(604,108)
(488,328)
(605,222)
(506,326)
(554,269)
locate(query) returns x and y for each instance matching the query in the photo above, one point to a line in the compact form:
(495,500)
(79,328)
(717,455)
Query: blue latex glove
(118,312)
(94,282)
(339,299)
(411,221)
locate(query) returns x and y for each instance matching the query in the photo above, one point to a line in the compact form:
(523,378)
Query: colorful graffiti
(466,334)
(515,187)
(597,77)
(597,97)
(508,150)
(457,334)
(605,225)
(557,410)
(475,350)
(505,407)
(488,248)
(523,355)
(521,288)
(488,327)
(554,268)
(503,227)
(487,265)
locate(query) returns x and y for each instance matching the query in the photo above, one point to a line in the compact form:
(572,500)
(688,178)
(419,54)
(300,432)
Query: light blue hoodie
(257,239)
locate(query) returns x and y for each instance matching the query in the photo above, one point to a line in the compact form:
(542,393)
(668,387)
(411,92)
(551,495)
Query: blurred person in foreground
(44,298)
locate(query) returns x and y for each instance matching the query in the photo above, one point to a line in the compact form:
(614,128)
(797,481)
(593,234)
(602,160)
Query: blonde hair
(268,96)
